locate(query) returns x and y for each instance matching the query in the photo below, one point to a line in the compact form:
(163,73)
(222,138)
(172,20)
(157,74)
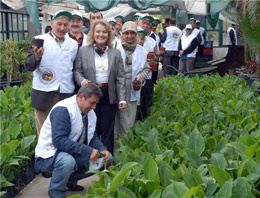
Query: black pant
(200,50)
(106,120)
(173,61)
(146,99)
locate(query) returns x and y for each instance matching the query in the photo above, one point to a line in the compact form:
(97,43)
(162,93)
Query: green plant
(201,140)
(13,59)
(17,132)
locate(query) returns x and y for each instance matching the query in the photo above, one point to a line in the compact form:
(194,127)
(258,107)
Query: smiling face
(129,36)
(100,35)
(75,25)
(60,27)
(86,104)
(119,23)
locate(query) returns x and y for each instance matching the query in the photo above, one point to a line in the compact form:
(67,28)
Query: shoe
(75,187)
(51,196)
(46,174)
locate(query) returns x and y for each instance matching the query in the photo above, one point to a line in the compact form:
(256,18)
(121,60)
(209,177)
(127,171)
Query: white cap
(111,20)
(188,26)
(197,21)
(76,13)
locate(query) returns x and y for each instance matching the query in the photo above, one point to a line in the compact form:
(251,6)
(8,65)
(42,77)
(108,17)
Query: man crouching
(68,141)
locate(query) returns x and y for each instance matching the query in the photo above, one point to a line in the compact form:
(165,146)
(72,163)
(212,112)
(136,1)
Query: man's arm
(61,129)
(193,45)
(232,37)
(164,36)
(31,62)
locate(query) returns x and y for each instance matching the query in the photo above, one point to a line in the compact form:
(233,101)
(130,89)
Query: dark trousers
(200,50)
(155,74)
(146,99)
(172,61)
(106,113)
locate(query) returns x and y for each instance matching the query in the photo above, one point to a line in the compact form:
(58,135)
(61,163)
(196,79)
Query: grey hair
(89,90)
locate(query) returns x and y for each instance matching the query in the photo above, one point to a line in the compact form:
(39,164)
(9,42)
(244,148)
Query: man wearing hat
(52,65)
(187,50)
(76,24)
(170,39)
(135,17)
(202,36)
(112,23)
(119,22)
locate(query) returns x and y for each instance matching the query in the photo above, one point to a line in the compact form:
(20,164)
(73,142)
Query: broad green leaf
(220,175)
(27,128)
(127,191)
(4,137)
(14,130)
(150,168)
(195,108)
(242,188)
(225,190)
(168,192)
(250,151)
(121,194)
(179,189)
(121,174)
(13,144)
(196,142)
(189,180)
(194,192)
(194,158)
(27,141)
(219,160)
(156,194)
(239,147)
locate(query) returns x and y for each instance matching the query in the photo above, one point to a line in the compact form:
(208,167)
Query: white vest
(228,36)
(45,148)
(138,63)
(173,37)
(185,43)
(202,31)
(55,69)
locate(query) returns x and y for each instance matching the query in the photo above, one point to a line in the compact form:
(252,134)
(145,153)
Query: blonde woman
(101,64)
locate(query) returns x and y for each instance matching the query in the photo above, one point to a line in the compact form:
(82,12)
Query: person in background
(202,35)
(119,21)
(94,16)
(232,47)
(101,64)
(47,29)
(68,141)
(187,50)
(136,69)
(52,67)
(170,39)
(135,17)
(112,23)
(76,24)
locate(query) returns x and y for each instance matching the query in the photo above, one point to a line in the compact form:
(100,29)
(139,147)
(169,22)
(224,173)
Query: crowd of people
(83,89)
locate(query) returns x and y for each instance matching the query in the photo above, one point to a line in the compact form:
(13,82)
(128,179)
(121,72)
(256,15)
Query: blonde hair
(92,30)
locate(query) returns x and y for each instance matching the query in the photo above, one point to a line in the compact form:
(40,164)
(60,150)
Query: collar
(74,37)
(56,38)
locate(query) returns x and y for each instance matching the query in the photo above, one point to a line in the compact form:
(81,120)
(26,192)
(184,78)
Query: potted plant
(12,58)
(137,84)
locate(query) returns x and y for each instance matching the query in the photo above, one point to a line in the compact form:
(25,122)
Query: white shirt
(101,64)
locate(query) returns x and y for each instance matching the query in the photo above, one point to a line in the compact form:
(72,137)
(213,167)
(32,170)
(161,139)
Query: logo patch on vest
(175,36)
(47,76)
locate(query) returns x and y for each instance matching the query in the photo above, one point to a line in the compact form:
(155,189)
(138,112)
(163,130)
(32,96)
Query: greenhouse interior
(130,98)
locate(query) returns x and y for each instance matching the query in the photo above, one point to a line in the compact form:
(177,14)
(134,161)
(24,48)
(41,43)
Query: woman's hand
(85,82)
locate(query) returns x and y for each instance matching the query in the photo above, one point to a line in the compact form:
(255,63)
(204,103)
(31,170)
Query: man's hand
(94,155)
(85,82)
(38,52)
(181,52)
(122,105)
(107,155)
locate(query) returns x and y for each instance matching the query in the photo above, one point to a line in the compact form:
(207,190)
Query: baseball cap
(192,19)
(136,15)
(120,17)
(76,13)
(141,31)
(156,19)
(188,26)
(197,21)
(129,25)
(111,20)
(145,16)
(62,13)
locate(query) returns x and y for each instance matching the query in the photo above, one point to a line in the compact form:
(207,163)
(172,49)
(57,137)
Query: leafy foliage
(17,132)
(201,140)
